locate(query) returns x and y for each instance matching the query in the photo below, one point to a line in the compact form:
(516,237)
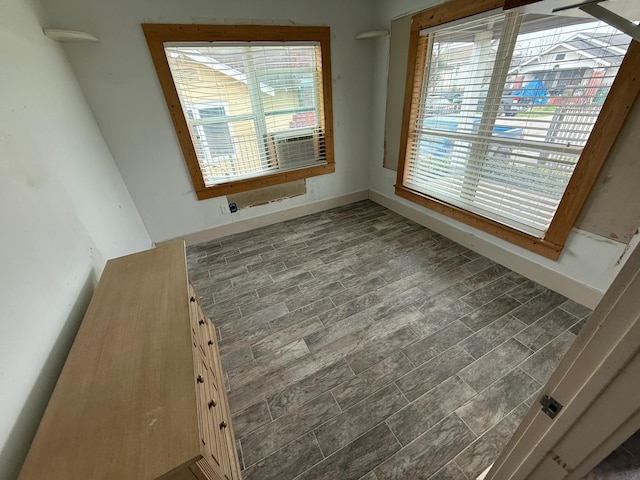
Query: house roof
(220,67)
(604,49)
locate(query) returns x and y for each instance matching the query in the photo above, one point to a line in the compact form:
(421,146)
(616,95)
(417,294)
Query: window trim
(156,34)
(613,114)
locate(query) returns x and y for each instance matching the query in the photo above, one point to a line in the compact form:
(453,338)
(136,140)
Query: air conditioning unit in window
(295,148)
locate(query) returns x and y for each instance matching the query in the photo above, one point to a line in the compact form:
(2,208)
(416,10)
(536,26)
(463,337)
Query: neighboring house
(452,63)
(582,65)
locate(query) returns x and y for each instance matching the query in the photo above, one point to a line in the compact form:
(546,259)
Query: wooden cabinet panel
(228,431)
(141,394)
(215,412)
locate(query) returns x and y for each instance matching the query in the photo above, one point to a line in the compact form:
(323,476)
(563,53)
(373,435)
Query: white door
(597,385)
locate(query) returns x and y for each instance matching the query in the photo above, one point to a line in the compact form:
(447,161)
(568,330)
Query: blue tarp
(442,147)
(533,92)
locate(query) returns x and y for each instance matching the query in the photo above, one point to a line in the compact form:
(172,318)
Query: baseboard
(567,286)
(271,218)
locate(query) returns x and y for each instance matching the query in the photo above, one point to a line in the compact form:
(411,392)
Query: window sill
(536,245)
(263,181)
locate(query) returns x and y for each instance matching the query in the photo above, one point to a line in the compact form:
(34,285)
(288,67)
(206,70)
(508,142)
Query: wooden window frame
(613,114)
(156,34)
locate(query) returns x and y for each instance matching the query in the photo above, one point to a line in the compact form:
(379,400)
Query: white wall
(589,261)
(120,83)
(64,210)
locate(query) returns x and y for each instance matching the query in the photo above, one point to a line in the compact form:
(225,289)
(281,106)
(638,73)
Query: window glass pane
(501,123)
(217,134)
(251,108)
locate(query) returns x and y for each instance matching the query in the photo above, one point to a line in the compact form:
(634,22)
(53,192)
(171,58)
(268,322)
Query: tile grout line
(350,368)
(393,433)
(535,352)
(470,429)
(243,466)
(461,471)
(462,380)
(404,396)
(541,385)
(318,442)
(476,360)
(268,410)
(407,357)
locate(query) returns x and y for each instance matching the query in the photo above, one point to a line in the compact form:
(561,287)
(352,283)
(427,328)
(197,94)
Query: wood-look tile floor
(357,344)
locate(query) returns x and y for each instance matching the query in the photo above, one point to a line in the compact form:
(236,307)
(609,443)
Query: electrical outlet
(223,209)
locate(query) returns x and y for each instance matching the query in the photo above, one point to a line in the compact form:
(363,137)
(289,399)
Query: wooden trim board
(157,34)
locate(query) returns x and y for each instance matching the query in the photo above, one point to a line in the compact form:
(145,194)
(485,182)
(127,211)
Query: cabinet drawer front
(220,450)
(201,379)
(216,414)
(229,437)
(213,418)
(204,337)
(203,334)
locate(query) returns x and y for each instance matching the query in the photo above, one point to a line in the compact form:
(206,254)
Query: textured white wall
(64,210)
(120,83)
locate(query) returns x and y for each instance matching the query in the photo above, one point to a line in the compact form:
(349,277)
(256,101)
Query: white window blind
(505,107)
(251,107)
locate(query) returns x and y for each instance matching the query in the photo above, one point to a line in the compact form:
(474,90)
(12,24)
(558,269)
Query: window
(251,105)
(498,124)
(213,131)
